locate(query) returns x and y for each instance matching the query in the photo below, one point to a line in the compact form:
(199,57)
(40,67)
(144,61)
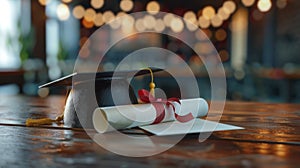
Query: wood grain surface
(271,138)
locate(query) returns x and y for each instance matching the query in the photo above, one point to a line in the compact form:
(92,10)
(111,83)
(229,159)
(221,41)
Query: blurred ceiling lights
(248,3)
(97,4)
(126,5)
(44,2)
(153,7)
(204,18)
(281,3)
(67,1)
(63,12)
(264,5)
(78,12)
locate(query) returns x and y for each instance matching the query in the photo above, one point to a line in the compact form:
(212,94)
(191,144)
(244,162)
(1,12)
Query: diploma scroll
(106,119)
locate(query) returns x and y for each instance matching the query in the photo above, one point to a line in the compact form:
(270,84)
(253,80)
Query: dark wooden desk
(271,139)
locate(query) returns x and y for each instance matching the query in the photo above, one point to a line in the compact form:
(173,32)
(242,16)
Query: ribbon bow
(159,103)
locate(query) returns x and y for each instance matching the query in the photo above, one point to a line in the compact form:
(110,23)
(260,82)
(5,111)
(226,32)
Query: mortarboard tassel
(151,84)
(43,121)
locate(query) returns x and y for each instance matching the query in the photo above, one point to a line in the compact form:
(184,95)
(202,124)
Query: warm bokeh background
(257,40)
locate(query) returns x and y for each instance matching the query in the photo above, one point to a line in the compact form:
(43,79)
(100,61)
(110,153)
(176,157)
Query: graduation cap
(79,96)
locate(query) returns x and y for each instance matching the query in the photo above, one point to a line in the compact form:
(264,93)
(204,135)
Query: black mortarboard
(82,83)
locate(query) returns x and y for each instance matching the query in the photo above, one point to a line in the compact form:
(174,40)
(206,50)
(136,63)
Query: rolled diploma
(106,119)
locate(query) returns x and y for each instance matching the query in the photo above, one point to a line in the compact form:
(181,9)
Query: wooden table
(271,139)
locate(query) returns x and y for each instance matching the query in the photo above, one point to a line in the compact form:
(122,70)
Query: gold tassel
(43,121)
(36,122)
(151,84)
(46,121)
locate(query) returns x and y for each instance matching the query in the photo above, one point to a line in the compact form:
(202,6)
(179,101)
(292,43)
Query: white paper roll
(106,119)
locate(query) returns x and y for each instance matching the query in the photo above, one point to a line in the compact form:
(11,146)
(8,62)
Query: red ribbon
(159,103)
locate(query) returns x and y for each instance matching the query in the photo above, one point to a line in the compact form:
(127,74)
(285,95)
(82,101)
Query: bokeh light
(159,25)
(224,55)
(66,1)
(190,16)
(89,14)
(108,16)
(216,21)
(63,12)
(281,3)
(116,23)
(43,92)
(98,20)
(248,3)
(220,34)
(208,12)
(190,19)
(44,2)
(177,25)
(120,14)
(191,26)
(168,18)
(97,4)
(126,5)
(149,21)
(153,7)
(223,14)
(128,23)
(229,6)
(87,24)
(264,5)
(139,25)
(78,12)
(203,22)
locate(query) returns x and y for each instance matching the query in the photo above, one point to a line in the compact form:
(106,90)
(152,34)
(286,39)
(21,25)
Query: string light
(208,12)
(168,18)
(139,25)
(191,26)
(108,16)
(87,24)
(248,3)
(223,14)
(63,12)
(229,6)
(89,15)
(120,14)
(98,20)
(97,4)
(177,25)
(203,22)
(149,21)
(116,23)
(126,5)
(153,7)
(67,1)
(127,23)
(44,2)
(281,3)
(264,5)
(208,33)
(78,12)
(224,55)
(220,34)
(216,21)
(160,25)
(190,19)
(190,16)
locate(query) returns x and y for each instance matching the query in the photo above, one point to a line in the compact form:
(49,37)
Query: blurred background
(257,40)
